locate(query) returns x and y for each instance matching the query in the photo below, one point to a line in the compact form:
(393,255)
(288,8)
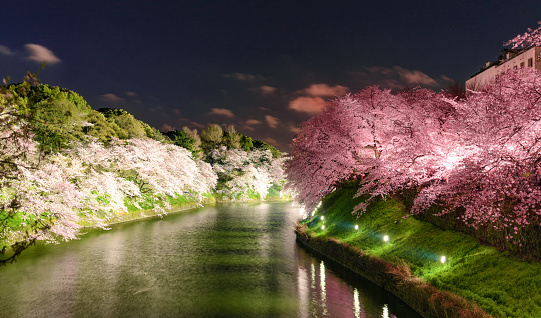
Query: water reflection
(327,290)
(385,311)
(323,292)
(228,261)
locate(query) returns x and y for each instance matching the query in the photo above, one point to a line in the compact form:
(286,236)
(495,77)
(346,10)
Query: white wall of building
(529,58)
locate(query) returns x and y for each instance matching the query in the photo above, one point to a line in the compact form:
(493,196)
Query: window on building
(522,65)
(530,62)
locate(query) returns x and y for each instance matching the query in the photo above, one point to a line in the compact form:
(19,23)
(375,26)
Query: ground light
(323,227)
(322,218)
(386,238)
(443,259)
(356,227)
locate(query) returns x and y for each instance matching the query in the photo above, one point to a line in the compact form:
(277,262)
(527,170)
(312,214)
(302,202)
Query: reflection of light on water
(313,278)
(304,294)
(323,291)
(385,311)
(356,303)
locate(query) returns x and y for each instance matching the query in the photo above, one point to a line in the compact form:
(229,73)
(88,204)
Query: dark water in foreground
(224,261)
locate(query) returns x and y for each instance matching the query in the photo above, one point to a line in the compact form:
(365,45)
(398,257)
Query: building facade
(508,59)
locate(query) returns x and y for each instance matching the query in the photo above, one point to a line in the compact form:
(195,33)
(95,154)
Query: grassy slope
(498,282)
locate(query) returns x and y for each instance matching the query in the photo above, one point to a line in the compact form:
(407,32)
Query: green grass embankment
(501,284)
(146,208)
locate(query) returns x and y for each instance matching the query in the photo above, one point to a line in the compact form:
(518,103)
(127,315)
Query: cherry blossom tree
(388,140)
(480,156)
(499,182)
(241,173)
(92,183)
(530,38)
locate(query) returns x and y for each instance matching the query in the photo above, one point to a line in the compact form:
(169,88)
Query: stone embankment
(396,278)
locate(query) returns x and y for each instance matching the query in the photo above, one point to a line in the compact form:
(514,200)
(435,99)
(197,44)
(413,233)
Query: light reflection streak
(385,311)
(356,303)
(304,294)
(313,274)
(323,291)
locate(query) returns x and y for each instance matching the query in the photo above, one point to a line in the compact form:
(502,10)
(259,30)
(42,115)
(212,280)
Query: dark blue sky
(264,66)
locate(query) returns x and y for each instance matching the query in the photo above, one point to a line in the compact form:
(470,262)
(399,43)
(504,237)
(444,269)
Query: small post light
(322,218)
(356,227)
(386,238)
(323,227)
(443,259)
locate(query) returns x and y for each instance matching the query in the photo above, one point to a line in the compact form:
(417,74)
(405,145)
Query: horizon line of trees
(214,136)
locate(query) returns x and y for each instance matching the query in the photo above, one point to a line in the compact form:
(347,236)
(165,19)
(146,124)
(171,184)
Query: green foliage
(152,132)
(129,126)
(246,143)
(56,123)
(263,145)
(211,137)
(182,139)
(275,190)
(101,128)
(231,138)
(57,114)
(214,136)
(498,282)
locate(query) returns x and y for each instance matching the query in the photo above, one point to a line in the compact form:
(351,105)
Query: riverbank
(148,208)
(177,204)
(409,263)
(395,278)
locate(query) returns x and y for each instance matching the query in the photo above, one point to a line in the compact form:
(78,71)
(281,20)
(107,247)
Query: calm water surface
(224,261)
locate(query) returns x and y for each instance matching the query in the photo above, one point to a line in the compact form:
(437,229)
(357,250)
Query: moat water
(231,260)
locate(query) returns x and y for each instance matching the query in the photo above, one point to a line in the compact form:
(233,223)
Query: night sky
(264,66)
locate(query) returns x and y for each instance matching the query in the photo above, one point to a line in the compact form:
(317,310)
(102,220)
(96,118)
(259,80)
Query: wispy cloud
(166,128)
(251,122)
(221,112)
(321,90)
(396,77)
(271,141)
(272,121)
(267,90)
(4,50)
(415,77)
(294,128)
(189,123)
(307,104)
(111,98)
(39,53)
(312,99)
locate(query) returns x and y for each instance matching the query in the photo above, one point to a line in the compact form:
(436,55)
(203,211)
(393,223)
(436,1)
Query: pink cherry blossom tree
(480,155)
(388,140)
(530,38)
(498,182)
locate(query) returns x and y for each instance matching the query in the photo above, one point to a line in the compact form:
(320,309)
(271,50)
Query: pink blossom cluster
(242,172)
(530,38)
(93,182)
(481,154)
